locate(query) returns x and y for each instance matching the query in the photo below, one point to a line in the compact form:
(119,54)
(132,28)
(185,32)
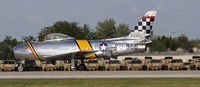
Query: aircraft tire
(20,68)
(38,68)
(62,68)
(81,67)
(144,67)
(101,68)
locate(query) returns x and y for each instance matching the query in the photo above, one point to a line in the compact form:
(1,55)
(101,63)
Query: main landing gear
(74,66)
(82,66)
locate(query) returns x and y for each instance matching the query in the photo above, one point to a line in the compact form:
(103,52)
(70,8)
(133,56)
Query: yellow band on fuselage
(33,51)
(84,45)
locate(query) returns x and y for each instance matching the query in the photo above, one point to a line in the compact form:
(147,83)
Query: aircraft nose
(16,49)
(20,50)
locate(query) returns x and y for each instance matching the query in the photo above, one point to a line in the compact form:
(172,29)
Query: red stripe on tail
(145,17)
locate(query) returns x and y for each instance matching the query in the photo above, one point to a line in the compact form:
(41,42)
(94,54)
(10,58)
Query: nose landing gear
(21,67)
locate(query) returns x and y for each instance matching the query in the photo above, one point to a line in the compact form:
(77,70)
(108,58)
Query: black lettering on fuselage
(125,45)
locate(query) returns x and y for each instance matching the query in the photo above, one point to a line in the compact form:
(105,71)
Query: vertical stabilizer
(144,26)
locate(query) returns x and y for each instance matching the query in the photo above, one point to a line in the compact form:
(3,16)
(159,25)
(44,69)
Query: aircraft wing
(77,55)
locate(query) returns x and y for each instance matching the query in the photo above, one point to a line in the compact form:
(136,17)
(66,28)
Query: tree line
(163,43)
(104,29)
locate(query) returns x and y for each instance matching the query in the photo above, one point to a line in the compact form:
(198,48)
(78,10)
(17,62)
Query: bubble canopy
(57,36)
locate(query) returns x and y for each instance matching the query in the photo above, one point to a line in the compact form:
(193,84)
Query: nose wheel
(21,67)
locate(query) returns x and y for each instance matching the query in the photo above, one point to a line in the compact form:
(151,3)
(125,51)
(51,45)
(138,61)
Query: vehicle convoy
(37,65)
(59,46)
(134,64)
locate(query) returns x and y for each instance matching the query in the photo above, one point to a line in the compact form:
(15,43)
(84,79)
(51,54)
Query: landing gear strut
(20,67)
(73,68)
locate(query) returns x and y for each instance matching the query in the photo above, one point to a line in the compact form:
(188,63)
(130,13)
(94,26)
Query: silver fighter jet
(62,48)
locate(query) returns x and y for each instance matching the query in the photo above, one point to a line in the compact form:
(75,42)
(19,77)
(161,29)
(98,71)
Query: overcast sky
(27,17)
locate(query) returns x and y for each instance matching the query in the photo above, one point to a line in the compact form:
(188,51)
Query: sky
(27,17)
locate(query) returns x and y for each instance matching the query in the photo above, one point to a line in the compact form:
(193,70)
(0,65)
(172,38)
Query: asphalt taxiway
(99,74)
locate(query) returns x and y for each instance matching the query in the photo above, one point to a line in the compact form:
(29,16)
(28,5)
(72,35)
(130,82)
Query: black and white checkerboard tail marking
(144,26)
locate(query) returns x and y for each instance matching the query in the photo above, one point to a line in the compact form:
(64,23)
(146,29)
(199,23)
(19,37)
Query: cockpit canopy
(57,37)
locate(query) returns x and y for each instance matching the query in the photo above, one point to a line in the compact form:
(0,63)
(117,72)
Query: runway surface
(100,74)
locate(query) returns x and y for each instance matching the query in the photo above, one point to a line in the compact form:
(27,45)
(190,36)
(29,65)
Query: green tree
(69,28)
(163,43)
(157,44)
(105,29)
(6,47)
(88,33)
(183,42)
(27,38)
(168,42)
(195,43)
(122,30)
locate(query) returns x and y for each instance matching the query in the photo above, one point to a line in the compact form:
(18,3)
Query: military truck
(135,65)
(154,64)
(145,62)
(165,63)
(8,65)
(102,64)
(175,64)
(112,65)
(195,63)
(32,65)
(61,65)
(123,63)
(92,65)
(186,66)
(47,66)
(40,65)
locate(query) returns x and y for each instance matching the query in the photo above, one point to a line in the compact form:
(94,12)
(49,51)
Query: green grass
(135,82)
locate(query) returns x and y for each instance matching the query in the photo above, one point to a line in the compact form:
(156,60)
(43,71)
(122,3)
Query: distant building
(180,50)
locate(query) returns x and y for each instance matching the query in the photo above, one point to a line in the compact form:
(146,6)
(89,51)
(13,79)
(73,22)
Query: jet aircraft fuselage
(64,49)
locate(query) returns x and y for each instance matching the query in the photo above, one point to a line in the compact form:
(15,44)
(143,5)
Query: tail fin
(144,26)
